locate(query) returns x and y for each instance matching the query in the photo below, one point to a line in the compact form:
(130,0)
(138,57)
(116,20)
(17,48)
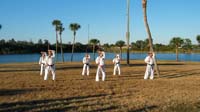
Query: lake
(78,57)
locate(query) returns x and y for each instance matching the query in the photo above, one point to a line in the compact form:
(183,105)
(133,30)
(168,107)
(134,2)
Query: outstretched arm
(53,53)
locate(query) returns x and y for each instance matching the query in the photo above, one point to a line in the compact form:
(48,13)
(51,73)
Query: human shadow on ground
(63,104)
(10,92)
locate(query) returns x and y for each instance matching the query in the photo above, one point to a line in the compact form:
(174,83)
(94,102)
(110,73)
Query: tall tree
(40,42)
(56,23)
(94,42)
(198,39)
(128,32)
(176,42)
(187,45)
(120,44)
(140,44)
(46,42)
(61,29)
(144,7)
(74,27)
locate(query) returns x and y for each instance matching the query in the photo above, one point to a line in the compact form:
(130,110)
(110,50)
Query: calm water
(79,56)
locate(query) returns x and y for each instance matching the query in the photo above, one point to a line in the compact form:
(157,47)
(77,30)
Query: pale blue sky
(31,19)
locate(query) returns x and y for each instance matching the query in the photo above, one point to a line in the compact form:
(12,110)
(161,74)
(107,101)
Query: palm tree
(176,42)
(128,32)
(144,7)
(120,44)
(198,39)
(94,42)
(61,29)
(74,27)
(140,44)
(56,23)
(187,45)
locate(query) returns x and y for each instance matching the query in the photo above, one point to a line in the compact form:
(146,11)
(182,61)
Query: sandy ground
(176,90)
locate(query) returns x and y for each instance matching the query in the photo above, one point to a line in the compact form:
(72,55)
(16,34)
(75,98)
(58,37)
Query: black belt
(51,65)
(151,64)
(87,64)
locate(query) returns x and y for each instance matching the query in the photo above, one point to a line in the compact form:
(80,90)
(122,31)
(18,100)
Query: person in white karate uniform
(50,65)
(42,62)
(150,66)
(100,61)
(86,64)
(116,62)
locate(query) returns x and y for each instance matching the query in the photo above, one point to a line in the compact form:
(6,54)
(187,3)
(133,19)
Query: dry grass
(177,89)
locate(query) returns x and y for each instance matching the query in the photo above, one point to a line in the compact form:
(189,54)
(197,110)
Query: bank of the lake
(109,56)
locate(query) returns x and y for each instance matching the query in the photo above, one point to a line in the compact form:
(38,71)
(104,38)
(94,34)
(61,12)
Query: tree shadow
(10,92)
(26,70)
(144,64)
(63,104)
(136,64)
(171,64)
(144,109)
(130,77)
(104,109)
(69,67)
(178,75)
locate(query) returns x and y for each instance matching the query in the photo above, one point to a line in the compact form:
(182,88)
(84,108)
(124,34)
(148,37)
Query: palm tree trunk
(73,47)
(61,48)
(176,53)
(121,52)
(48,45)
(144,4)
(56,46)
(93,51)
(128,33)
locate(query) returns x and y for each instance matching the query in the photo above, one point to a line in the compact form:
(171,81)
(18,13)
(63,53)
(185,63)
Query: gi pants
(116,68)
(149,71)
(102,70)
(86,67)
(42,68)
(50,68)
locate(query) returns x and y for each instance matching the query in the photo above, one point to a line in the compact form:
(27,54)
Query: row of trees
(13,46)
(24,47)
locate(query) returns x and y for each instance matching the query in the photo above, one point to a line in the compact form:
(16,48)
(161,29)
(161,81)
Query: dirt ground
(176,90)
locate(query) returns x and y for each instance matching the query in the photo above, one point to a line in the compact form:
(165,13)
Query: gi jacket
(149,60)
(100,61)
(50,59)
(86,60)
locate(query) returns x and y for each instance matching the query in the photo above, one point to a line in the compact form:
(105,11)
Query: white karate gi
(150,67)
(104,54)
(86,65)
(116,62)
(50,66)
(101,68)
(42,64)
